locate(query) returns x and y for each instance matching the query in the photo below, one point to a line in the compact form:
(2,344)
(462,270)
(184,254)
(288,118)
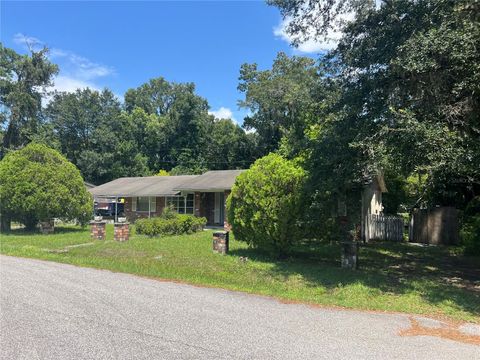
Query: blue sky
(120,45)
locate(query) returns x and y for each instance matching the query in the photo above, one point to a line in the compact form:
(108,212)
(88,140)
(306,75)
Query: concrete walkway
(56,311)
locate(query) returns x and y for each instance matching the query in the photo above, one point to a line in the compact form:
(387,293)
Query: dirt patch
(67,248)
(79,245)
(56,251)
(449,331)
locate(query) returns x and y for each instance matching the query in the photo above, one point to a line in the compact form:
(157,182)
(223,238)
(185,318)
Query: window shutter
(134,204)
(153,204)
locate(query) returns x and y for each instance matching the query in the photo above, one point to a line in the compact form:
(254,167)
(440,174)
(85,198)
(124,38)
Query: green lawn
(434,281)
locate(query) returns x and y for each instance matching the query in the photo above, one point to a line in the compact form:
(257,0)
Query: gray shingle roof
(217,180)
(142,186)
(89,185)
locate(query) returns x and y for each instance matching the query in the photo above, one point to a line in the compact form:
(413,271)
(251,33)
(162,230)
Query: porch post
(116,209)
(197,204)
(149,205)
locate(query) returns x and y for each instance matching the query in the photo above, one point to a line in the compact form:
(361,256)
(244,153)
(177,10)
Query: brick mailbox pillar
(121,231)
(97,229)
(220,242)
(349,254)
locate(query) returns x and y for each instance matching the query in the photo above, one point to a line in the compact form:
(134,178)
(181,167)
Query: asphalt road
(57,311)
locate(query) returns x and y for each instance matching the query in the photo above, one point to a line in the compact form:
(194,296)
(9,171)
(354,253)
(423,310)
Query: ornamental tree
(264,207)
(38,183)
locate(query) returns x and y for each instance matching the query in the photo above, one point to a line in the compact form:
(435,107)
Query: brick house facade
(200,195)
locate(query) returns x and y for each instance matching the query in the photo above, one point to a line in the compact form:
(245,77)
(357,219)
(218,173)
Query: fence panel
(439,225)
(384,227)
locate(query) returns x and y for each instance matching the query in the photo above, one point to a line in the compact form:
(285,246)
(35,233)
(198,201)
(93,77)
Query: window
(142,203)
(181,204)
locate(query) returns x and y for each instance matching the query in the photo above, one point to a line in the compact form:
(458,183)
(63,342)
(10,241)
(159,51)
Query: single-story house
(199,195)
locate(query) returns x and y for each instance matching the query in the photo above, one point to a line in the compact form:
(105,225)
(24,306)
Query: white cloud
(79,66)
(309,46)
(318,44)
(69,84)
(223,113)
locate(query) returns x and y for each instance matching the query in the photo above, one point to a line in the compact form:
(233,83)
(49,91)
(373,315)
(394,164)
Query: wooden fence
(384,227)
(434,226)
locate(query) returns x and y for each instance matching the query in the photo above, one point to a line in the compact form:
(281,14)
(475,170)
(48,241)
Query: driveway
(56,311)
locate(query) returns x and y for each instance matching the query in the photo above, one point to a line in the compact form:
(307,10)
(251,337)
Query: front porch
(212,206)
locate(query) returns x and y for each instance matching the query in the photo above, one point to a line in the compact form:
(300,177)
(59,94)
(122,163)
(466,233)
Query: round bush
(470,235)
(37,184)
(264,207)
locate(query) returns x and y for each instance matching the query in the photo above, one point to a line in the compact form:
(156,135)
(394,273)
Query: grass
(434,281)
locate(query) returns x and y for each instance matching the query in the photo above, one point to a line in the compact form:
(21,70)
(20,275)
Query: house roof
(88,185)
(377,181)
(142,186)
(216,180)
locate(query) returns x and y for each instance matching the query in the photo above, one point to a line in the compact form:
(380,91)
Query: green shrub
(264,207)
(470,232)
(470,235)
(177,225)
(168,212)
(144,226)
(38,183)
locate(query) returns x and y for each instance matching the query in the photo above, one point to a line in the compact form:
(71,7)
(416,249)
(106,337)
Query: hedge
(180,224)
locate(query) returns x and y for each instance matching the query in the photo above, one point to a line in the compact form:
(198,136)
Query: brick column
(220,242)
(121,231)
(97,229)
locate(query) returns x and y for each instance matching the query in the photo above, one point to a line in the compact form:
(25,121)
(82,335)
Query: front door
(218,212)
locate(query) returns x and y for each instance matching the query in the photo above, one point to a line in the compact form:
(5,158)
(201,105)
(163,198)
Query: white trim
(184,202)
(136,205)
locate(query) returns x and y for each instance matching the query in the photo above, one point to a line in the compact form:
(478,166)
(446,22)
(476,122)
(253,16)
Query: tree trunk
(5,223)
(30,223)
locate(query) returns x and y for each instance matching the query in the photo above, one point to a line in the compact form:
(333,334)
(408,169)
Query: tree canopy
(160,125)
(37,184)
(23,82)
(407,77)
